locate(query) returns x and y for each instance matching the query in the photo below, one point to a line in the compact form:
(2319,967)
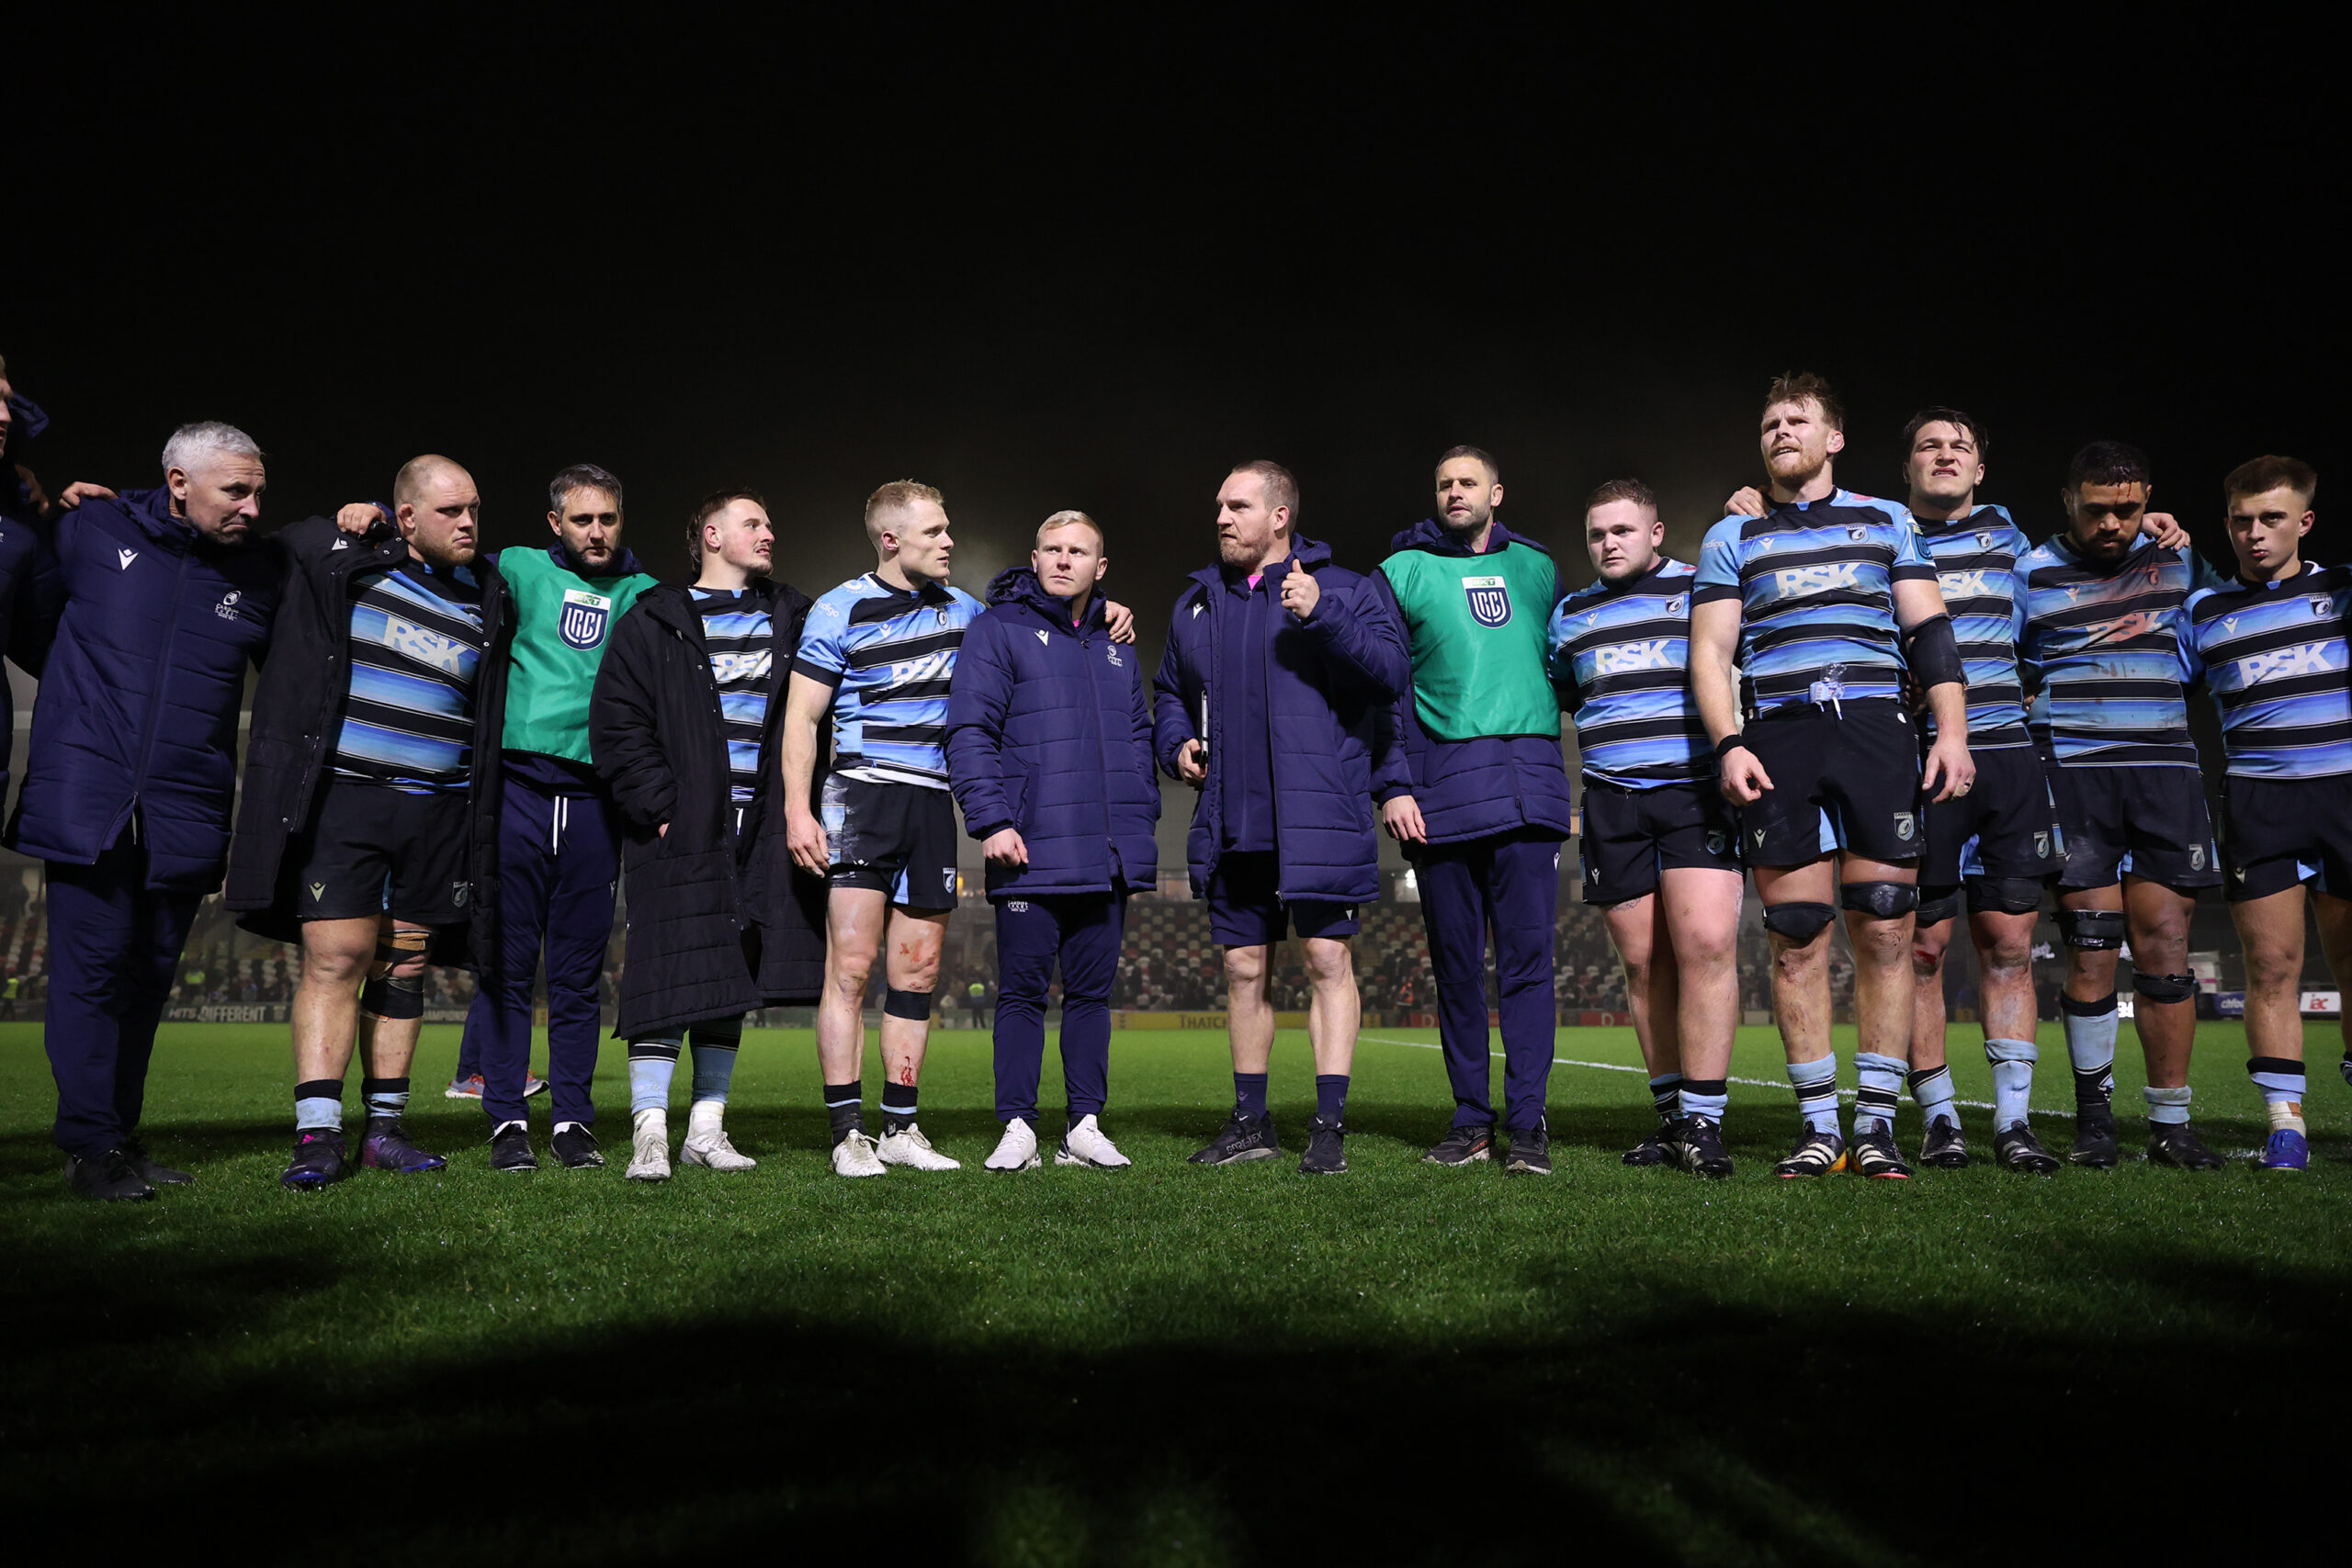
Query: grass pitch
(1168,1364)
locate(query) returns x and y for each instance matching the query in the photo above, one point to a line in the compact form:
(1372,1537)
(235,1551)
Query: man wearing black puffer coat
(684,727)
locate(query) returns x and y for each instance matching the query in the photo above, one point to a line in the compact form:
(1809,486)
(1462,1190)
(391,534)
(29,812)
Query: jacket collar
(152,511)
(623,564)
(1018,586)
(1312,555)
(1435,538)
(673,605)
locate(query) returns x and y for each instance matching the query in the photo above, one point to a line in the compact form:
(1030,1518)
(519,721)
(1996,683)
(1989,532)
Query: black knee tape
(896,1003)
(2092,931)
(394,997)
(1798,922)
(1937,904)
(2165,987)
(2003,895)
(1880,900)
(2098,1008)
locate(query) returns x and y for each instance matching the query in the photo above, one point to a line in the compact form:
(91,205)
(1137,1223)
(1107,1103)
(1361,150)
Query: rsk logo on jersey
(727,668)
(1965,584)
(425,646)
(586,616)
(1818,579)
(1648,654)
(2303,659)
(1489,599)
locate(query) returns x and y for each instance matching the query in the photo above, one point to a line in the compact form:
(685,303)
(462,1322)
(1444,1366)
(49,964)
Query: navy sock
(845,1108)
(1249,1094)
(897,1107)
(1666,1094)
(1330,1095)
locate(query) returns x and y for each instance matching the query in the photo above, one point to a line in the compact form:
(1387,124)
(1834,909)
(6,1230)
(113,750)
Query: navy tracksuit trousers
(1083,930)
(114,946)
(1512,883)
(558,858)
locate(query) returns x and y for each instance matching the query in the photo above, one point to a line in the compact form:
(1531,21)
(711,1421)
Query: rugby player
(1280,667)
(1826,600)
(2271,648)
(1660,847)
(1471,784)
(2102,642)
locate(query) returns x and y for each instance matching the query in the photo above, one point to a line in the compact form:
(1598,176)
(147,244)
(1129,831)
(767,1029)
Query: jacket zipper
(155,701)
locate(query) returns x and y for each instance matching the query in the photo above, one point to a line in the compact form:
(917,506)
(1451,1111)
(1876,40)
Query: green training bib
(1475,626)
(563,622)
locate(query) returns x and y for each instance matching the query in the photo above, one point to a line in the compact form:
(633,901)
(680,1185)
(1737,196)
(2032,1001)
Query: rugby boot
(1327,1152)
(1874,1155)
(108,1178)
(1661,1148)
(1084,1143)
(2172,1143)
(706,1143)
(1703,1149)
(1463,1145)
(1016,1150)
(649,1145)
(510,1148)
(386,1147)
(2094,1143)
(2015,1148)
(1943,1147)
(135,1153)
(908,1146)
(575,1146)
(1243,1138)
(317,1162)
(2285,1149)
(854,1156)
(1817,1154)
(1528,1150)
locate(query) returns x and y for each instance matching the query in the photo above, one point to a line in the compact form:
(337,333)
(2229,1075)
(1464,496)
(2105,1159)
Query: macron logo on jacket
(126,558)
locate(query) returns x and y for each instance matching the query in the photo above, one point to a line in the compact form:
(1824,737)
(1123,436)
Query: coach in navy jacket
(131,770)
(1049,753)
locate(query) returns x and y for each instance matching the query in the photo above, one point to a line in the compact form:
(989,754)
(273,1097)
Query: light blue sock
(1933,1091)
(317,1113)
(1879,1088)
(650,1065)
(2167,1105)
(2012,1062)
(1817,1086)
(1705,1097)
(2090,1046)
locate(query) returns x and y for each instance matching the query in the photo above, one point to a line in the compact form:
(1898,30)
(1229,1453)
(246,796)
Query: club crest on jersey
(1674,605)
(941,613)
(1489,599)
(2041,846)
(584,618)
(1983,540)
(1904,826)
(1858,534)
(2322,604)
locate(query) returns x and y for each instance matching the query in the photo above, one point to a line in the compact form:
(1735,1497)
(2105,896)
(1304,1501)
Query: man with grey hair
(132,767)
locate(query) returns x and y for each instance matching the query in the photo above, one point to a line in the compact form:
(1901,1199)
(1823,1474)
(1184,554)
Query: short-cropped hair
(1494,469)
(2107,463)
(1928,416)
(192,445)
(581,475)
(1071,517)
(2269,473)
(710,506)
(1804,386)
(1282,488)
(1633,491)
(896,496)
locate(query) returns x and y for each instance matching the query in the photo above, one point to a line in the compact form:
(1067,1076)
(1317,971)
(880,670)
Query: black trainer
(1873,1152)
(1243,1138)
(2015,1148)
(1661,1148)
(2172,1143)
(134,1154)
(1327,1152)
(510,1148)
(1703,1149)
(1817,1154)
(1460,1145)
(575,1146)
(2095,1143)
(387,1147)
(1943,1147)
(317,1162)
(108,1177)
(1530,1151)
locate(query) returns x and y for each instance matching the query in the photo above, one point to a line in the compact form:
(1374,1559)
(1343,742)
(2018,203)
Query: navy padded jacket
(1329,682)
(32,592)
(1489,784)
(1047,734)
(138,706)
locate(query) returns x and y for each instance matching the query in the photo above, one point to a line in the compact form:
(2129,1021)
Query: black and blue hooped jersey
(890,655)
(1816,582)
(1975,560)
(1620,659)
(2104,644)
(408,720)
(2274,656)
(740,636)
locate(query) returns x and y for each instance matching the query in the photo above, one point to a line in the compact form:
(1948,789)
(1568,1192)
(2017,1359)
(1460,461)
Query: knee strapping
(1798,922)
(896,1003)
(2165,987)
(2003,895)
(2092,931)
(397,988)
(1880,900)
(1937,904)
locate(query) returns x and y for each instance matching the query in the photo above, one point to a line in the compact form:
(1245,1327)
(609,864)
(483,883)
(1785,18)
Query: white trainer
(1017,1150)
(648,1149)
(1085,1145)
(909,1148)
(706,1143)
(854,1156)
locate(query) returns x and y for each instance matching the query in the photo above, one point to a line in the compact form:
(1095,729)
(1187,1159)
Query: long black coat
(719,922)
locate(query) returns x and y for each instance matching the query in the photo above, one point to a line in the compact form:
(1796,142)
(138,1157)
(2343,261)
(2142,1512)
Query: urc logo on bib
(1489,599)
(584,618)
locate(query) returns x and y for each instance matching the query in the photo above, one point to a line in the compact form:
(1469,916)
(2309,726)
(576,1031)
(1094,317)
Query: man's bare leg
(909,974)
(2271,935)
(1332,1017)
(2166,1017)
(1248,1132)
(855,918)
(2006,1003)
(1700,909)
(1799,911)
(1883,997)
(1653,993)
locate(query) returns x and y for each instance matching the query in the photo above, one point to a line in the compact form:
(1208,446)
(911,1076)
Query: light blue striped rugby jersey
(1975,560)
(2275,658)
(2103,644)
(1815,583)
(1620,659)
(415,651)
(890,656)
(740,636)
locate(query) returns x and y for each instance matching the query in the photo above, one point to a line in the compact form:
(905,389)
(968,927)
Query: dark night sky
(1040,274)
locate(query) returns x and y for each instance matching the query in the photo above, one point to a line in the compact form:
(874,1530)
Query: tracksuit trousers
(559,859)
(1510,883)
(1083,932)
(114,947)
